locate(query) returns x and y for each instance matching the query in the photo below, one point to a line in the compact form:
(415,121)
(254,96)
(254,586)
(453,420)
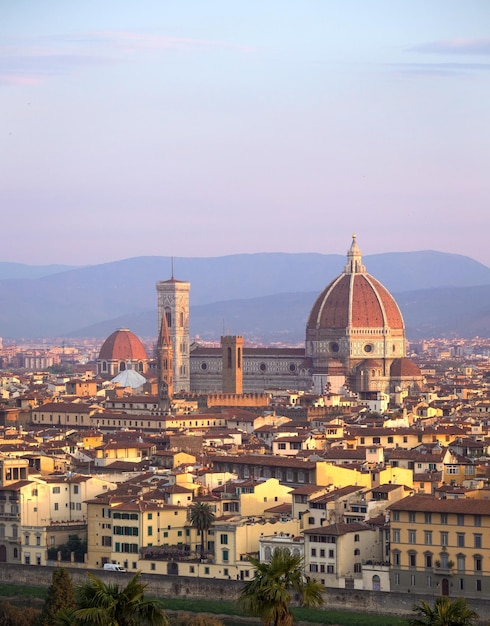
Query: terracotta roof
(122,345)
(337,529)
(358,300)
(404,367)
(430,504)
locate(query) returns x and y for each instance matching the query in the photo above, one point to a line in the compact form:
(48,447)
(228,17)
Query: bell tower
(165,367)
(173,302)
(232,364)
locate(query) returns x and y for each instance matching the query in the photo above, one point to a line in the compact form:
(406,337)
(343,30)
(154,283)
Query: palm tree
(105,604)
(268,594)
(201,518)
(446,612)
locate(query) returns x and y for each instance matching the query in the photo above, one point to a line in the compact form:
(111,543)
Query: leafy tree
(74,544)
(268,594)
(201,518)
(61,595)
(11,615)
(445,612)
(105,604)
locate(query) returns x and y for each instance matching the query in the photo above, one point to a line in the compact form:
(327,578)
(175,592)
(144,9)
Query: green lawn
(26,593)
(11,590)
(314,616)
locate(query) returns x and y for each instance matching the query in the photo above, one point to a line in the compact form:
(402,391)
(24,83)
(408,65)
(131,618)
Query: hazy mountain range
(261,296)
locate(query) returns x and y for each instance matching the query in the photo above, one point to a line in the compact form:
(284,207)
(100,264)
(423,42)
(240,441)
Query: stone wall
(210,588)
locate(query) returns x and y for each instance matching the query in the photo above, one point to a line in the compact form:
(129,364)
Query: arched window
(122,366)
(228,358)
(182,319)
(461,561)
(268,553)
(168,315)
(104,366)
(239,359)
(376,583)
(428,559)
(357,552)
(356,538)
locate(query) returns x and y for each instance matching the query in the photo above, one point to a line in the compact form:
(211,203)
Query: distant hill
(20,270)
(443,312)
(227,293)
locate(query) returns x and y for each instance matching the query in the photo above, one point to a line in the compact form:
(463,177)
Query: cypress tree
(61,595)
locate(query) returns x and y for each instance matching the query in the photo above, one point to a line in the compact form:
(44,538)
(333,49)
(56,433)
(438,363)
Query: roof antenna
(172,264)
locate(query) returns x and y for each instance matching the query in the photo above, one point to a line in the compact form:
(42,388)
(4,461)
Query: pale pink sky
(211,128)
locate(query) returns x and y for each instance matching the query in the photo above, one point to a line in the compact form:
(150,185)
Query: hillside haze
(264,296)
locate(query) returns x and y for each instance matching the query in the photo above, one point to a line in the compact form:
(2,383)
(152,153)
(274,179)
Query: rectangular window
(477,520)
(460,540)
(444,538)
(412,536)
(397,579)
(443,518)
(224,539)
(150,531)
(428,537)
(313,552)
(396,558)
(478,541)
(411,516)
(412,580)
(478,584)
(460,519)
(396,535)
(396,516)
(428,518)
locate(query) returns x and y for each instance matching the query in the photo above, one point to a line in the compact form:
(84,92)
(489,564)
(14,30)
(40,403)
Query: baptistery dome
(355,330)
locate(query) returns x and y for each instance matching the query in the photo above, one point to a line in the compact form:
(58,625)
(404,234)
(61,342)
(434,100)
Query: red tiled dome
(122,345)
(355,299)
(404,368)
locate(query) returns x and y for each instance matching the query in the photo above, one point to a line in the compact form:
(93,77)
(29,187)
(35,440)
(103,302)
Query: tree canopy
(61,595)
(268,594)
(445,612)
(201,518)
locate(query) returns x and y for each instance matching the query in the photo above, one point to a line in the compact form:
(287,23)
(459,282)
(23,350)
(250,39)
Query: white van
(112,567)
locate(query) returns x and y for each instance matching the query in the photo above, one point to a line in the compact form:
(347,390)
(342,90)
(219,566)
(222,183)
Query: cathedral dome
(355,300)
(404,368)
(122,345)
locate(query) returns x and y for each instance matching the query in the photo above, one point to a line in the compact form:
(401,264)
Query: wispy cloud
(455,46)
(448,70)
(31,61)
